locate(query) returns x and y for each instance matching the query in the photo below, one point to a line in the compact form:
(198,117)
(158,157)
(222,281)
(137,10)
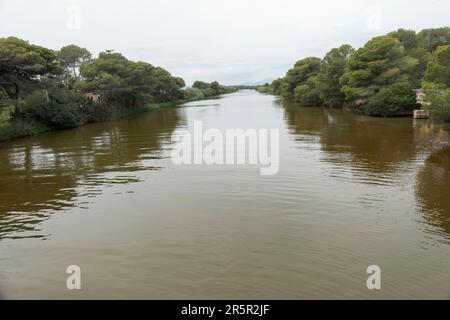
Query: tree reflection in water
(371,148)
(433,190)
(382,151)
(50,172)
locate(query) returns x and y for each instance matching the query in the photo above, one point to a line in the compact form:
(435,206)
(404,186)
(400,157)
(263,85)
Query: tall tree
(299,75)
(433,38)
(438,70)
(381,63)
(333,68)
(415,48)
(21,64)
(437,84)
(129,83)
(71,57)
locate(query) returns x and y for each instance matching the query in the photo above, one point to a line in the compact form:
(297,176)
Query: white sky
(232,41)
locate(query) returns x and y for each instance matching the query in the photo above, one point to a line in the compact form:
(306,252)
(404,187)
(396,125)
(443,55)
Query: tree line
(379,79)
(43,89)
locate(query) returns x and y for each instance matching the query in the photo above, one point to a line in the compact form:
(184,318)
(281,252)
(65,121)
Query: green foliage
(298,76)
(6,112)
(439,98)
(265,88)
(408,38)
(381,63)
(438,70)
(359,78)
(432,38)
(276,85)
(373,78)
(194,94)
(333,67)
(420,46)
(202,90)
(215,86)
(201,85)
(415,48)
(21,127)
(128,83)
(45,90)
(437,84)
(58,116)
(21,64)
(71,57)
(54,107)
(395,100)
(308,94)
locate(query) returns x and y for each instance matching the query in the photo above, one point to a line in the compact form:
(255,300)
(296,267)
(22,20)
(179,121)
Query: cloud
(230,41)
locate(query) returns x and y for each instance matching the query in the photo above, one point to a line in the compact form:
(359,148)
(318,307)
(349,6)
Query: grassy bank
(27,127)
(19,128)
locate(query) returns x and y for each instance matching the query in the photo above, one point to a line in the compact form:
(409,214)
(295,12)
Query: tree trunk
(47,98)
(14,95)
(16,102)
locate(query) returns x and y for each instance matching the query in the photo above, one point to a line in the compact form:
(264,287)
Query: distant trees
(377,79)
(201,85)
(270,88)
(202,90)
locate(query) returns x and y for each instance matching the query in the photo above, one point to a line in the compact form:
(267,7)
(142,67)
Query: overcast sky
(232,41)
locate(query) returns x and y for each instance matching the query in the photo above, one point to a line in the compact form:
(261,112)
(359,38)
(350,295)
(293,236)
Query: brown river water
(352,191)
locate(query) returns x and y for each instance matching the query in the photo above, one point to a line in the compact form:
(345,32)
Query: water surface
(352,191)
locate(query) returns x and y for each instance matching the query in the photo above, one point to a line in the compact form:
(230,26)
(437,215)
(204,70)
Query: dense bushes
(21,127)
(194,94)
(58,116)
(396,100)
(6,112)
(202,90)
(438,97)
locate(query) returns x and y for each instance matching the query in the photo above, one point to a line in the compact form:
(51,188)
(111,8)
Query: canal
(352,191)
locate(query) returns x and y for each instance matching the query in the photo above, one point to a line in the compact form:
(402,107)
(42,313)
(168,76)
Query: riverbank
(403,114)
(26,126)
(391,75)
(67,88)
(22,127)
(118,184)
